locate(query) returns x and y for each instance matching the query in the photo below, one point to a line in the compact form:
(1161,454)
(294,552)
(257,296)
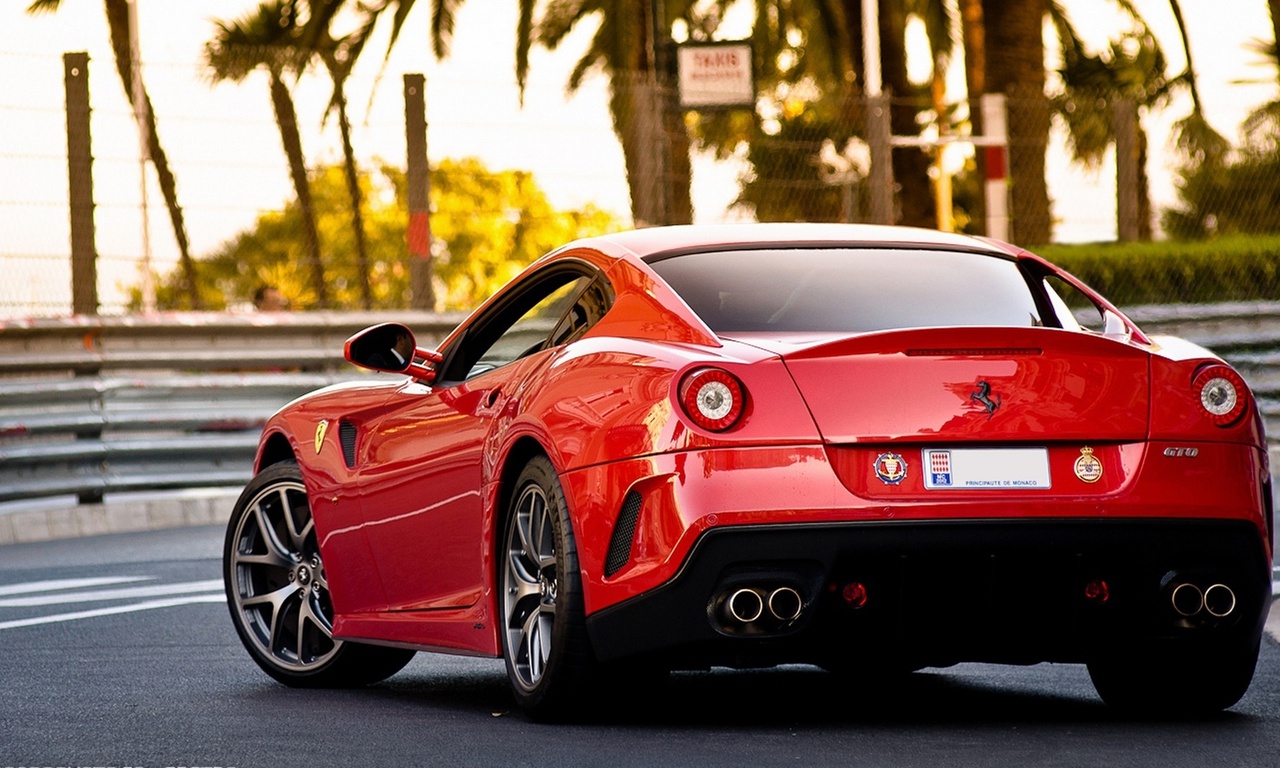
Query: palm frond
(44,6)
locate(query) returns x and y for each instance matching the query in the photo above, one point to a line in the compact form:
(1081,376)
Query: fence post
(84,265)
(881,173)
(1126,132)
(995,128)
(418,180)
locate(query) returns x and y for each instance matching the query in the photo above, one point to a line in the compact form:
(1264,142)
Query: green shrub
(1236,268)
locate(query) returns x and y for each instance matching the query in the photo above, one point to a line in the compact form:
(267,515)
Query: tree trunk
(974,35)
(910,165)
(636,103)
(357,197)
(679,176)
(287,121)
(1015,67)
(1144,189)
(118,22)
(1273,8)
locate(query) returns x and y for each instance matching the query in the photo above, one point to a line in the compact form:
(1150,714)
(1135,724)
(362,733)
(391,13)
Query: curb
(60,519)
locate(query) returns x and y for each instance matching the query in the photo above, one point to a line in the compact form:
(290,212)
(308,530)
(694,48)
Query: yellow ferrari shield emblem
(321,430)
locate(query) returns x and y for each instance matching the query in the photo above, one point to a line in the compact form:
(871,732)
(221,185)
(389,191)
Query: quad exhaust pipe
(748,605)
(1188,600)
(744,606)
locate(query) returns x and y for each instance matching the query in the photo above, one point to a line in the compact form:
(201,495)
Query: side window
(521,324)
(584,313)
(1074,308)
(529,333)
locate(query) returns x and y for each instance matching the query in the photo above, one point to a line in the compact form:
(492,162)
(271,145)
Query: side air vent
(623,534)
(347,436)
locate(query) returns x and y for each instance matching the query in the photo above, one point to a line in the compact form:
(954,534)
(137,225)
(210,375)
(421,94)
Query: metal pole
(418,179)
(139,98)
(84,257)
(881,173)
(871,46)
(878,127)
(996,153)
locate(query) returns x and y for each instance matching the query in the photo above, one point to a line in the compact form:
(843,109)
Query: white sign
(986,469)
(716,75)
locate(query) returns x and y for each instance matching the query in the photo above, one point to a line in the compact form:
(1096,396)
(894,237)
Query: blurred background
(573,126)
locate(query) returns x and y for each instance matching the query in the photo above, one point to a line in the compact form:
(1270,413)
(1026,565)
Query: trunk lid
(968,385)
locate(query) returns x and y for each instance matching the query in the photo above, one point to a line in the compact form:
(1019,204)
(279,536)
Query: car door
(422,484)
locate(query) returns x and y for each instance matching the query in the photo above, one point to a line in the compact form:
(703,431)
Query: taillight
(1222,393)
(712,398)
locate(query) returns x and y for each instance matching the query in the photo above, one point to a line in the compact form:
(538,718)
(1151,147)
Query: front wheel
(278,592)
(544,642)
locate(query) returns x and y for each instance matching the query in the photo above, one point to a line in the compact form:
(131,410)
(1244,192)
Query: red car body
(898,496)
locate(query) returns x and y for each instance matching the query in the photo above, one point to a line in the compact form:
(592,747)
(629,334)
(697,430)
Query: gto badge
(1088,468)
(891,468)
(321,430)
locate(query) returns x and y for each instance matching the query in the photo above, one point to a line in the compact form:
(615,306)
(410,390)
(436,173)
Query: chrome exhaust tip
(1187,599)
(785,604)
(744,606)
(1219,601)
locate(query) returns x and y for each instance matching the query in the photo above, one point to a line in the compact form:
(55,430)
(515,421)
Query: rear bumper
(942,592)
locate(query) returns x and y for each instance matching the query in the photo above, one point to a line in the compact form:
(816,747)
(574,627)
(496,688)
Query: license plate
(979,469)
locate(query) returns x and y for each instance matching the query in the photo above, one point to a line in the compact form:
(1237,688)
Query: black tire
(1178,682)
(544,641)
(279,595)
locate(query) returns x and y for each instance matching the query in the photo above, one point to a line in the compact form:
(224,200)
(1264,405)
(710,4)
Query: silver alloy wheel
(280,592)
(529,586)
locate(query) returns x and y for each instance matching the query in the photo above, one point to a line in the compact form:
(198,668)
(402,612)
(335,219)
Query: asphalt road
(149,673)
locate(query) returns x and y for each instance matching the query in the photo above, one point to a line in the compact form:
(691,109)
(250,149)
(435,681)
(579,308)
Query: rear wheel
(278,592)
(1176,682)
(544,642)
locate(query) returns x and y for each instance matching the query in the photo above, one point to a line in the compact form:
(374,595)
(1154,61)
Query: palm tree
(1132,71)
(117,12)
(1193,134)
(266,39)
(339,56)
(830,57)
(629,47)
(1013,30)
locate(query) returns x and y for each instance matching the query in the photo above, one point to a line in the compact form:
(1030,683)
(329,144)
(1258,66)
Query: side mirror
(1113,325)
(391,348)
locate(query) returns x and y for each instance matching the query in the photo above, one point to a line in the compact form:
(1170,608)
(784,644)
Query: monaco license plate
(990,469)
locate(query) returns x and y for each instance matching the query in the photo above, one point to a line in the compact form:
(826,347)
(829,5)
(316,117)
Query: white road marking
(57,584)
(113,594)
(147,606)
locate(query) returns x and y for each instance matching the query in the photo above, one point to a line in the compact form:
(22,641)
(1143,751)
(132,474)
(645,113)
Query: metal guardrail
(1245,334)
(94,405)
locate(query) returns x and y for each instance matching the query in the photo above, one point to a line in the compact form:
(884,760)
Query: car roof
(652,241)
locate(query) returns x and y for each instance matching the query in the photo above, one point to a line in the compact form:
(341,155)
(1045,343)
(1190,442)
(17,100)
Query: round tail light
(712,398)
(1222,393)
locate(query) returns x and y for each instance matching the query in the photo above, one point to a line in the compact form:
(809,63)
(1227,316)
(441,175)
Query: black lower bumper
(937,593)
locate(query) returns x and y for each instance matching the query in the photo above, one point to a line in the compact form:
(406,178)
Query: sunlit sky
(226,150)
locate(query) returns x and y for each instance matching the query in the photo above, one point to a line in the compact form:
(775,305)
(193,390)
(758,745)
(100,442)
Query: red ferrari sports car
(865,448)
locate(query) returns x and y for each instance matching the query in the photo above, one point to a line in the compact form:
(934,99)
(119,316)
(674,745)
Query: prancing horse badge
(321,429)
(982,396)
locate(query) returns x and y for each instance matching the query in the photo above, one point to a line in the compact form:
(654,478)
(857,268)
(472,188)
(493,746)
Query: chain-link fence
(592,159)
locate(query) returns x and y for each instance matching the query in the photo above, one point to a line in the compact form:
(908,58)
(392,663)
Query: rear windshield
(849,289)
